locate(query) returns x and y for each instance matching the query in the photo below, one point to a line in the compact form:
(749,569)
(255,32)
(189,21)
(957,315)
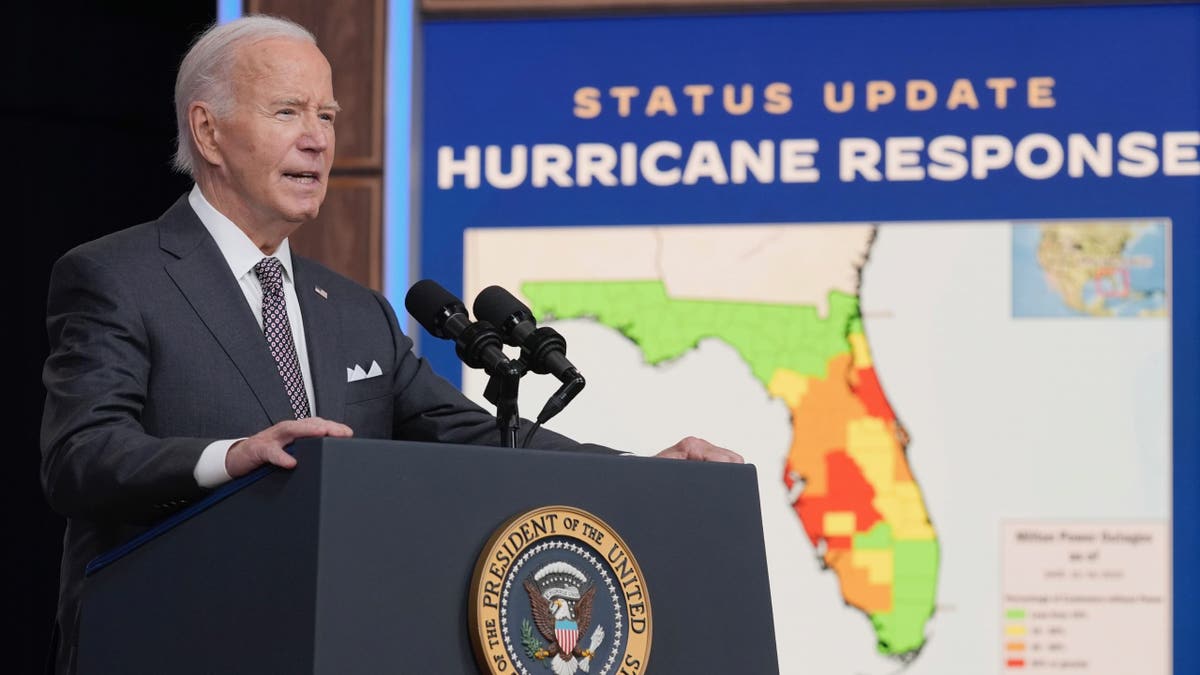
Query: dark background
(87,100)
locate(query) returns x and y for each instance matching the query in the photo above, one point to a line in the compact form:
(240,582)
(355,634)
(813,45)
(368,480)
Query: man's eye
(328,117)
(286,111)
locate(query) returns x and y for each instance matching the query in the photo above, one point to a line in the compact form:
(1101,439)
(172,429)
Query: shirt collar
(240,253)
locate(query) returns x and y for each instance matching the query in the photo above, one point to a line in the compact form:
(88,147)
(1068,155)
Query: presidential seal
(557,591)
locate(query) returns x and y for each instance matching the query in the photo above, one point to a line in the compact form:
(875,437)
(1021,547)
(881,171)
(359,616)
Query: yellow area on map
(905,512)
(870,443)
(878,564)
(839,523)
(860,353)
(873,445)
(789,386)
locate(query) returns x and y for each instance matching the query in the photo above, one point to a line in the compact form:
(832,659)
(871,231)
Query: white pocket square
(357,373)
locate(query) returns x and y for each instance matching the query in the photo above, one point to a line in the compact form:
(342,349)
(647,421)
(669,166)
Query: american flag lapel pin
(321,292)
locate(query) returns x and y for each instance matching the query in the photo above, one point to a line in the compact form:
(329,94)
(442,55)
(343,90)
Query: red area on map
(847,490)
(870,393)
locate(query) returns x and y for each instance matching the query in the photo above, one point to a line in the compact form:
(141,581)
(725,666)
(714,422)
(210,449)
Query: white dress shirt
(242,255)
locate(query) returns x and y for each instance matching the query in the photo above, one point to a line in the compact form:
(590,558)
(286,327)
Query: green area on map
(768,336)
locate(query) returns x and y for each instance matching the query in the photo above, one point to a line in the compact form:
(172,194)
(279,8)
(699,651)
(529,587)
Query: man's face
(277,145)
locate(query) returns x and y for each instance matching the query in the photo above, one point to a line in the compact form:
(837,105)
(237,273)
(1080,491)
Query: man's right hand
(266,447)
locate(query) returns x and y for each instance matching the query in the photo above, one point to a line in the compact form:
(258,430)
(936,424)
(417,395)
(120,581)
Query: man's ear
(203,126)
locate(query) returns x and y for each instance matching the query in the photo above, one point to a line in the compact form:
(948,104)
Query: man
(192,349)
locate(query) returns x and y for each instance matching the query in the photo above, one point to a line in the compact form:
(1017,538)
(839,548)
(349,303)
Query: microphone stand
(501,391)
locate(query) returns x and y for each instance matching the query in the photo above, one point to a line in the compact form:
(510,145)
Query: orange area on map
(870,595)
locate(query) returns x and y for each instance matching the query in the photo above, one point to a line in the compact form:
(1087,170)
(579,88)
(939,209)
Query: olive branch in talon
(532,645)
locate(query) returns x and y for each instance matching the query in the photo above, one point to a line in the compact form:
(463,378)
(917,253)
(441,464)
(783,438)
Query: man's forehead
(280,68)
(280,57)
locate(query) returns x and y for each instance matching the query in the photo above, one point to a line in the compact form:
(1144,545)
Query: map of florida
(847,465)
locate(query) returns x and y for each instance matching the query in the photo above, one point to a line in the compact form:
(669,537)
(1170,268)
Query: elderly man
(194,348)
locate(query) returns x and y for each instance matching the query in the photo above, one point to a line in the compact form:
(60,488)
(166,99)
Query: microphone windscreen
(495,305)
(426,302)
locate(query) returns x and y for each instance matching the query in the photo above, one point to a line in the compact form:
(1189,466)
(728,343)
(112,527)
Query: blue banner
(1069,136)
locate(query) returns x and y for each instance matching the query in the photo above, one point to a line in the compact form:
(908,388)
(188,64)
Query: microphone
(442,314)
(543,349)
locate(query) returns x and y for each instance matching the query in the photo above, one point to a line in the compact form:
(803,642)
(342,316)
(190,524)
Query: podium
(360,560)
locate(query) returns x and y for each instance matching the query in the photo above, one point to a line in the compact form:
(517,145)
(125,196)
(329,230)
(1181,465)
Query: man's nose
(317,134)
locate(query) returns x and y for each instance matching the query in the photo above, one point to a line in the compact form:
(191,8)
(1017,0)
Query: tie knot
(270,273)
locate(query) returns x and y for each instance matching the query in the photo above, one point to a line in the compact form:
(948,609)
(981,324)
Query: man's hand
(700,450)
(266,447)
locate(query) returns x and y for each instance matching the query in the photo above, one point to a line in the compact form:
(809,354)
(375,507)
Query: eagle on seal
(560,623)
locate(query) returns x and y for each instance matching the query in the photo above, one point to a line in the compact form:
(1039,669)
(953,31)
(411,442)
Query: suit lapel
(322,331)
(202,276)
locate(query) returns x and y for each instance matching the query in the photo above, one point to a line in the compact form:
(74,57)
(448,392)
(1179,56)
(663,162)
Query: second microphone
(543,349)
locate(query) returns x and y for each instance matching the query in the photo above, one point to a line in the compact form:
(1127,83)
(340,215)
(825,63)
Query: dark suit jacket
(154,354)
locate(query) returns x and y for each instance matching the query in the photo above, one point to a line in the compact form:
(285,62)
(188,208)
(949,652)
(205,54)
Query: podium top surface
(378,451)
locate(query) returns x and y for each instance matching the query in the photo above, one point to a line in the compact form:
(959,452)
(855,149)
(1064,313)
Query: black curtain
(87,105)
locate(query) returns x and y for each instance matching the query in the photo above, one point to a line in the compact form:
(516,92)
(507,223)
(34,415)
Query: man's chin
(304,211)
(301,217)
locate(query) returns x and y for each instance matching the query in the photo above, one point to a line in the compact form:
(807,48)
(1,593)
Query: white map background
(1009,419)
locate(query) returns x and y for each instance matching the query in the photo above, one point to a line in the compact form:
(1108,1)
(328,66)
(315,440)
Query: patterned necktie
(279,334)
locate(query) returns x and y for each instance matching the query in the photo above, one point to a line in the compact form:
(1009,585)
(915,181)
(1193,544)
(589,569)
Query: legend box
(1086,597)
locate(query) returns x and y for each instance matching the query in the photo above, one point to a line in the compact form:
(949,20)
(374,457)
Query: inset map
(1089,269)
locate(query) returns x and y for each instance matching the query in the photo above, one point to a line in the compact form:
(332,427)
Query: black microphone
(543,349)
(442,314)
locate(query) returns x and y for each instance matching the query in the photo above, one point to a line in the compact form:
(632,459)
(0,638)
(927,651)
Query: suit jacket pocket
(365,390)
(371,417)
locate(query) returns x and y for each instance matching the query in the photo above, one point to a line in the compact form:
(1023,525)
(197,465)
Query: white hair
(206,73)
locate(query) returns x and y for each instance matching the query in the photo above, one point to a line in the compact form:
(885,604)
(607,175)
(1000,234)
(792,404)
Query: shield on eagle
(567,633)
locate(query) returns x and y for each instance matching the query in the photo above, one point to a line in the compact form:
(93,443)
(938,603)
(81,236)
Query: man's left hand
(700,450)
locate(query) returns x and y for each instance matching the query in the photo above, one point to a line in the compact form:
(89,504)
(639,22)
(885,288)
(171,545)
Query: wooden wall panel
(348,235)
(351,33)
